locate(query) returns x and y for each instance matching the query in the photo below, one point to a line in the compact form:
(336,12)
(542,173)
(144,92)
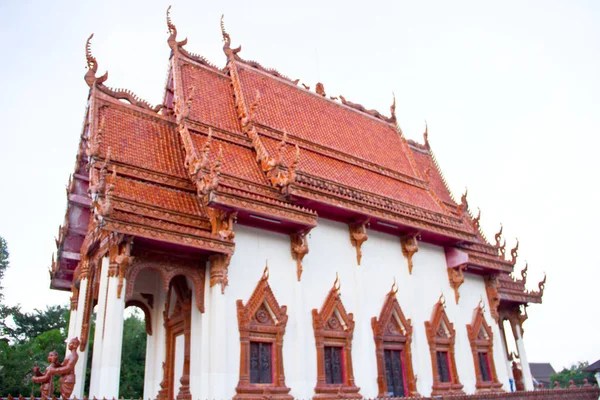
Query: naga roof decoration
(246,144)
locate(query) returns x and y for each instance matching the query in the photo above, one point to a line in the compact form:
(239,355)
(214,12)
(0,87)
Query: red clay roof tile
(283,106)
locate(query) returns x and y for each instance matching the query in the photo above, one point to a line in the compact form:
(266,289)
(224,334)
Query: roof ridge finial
(92,65)
(426,136)
(172,29)
(393,109)
(514,252)
(498,236)
(229,52)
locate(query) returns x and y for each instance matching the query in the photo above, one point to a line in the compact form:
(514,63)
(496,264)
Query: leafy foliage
(27,338)
(574,373)
(133,357)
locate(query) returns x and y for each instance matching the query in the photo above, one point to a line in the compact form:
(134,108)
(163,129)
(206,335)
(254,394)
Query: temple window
(441,335)
(392,333)
(334,329)
(481,339)
(262,325)
(443,366)
(333,364)
(261,361)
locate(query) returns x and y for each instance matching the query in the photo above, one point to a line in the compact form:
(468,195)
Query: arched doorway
(176,368)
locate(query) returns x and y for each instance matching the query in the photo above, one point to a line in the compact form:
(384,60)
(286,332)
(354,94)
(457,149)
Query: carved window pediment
(392,333)
(441,335)
(334,329)
(481,338)
(262,323)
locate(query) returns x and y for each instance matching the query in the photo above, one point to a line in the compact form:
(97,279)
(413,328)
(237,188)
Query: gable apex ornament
(514,253)
(172,40)
(229,52)
(498,236)
(92,65)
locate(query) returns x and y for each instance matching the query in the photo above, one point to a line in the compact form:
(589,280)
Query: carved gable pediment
(262,309)
(392,321)
(439,328)
(479,329)
(333,317)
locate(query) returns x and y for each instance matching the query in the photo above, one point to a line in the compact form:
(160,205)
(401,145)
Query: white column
(98,341)
(72,324)
(81,363)
(527,378)
(197,365)
(112,338)
(218,345)
(155,346)
(505,360)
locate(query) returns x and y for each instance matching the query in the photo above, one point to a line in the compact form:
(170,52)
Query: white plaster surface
(363,291)
(215,349)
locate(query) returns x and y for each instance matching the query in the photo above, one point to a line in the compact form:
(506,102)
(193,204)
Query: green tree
(26,340)
(133,357)
(574,373)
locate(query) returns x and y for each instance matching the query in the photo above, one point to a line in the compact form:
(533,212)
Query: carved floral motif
(491,288)
(219,269)
(409,247)
(299,243)
(358,235)
(456,278)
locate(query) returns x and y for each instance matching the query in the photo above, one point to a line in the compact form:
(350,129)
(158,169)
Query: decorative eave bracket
(409,247)
(456,277)
(299,245)
(358,235)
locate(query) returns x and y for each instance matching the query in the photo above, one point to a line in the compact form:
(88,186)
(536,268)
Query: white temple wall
(149,281)
(363,290)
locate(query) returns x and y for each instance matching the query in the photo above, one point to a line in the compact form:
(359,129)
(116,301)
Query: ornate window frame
(392,331)
(441,336)
(262,320)
(481,338)
(333,326)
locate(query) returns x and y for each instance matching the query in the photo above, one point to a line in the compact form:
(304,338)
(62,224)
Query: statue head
(74,343)
(53,357)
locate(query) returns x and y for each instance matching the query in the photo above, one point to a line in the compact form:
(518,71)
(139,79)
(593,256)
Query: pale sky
(510,90)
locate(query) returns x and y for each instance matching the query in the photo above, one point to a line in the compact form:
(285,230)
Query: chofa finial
(229,52)
(393,109)
(172,40)
(498,236)
(442,300)
(92,65)
(426,135)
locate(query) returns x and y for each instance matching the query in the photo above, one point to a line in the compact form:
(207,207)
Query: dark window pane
(333,365)
(394,372)
(261,362)
(443,366)
(484,367)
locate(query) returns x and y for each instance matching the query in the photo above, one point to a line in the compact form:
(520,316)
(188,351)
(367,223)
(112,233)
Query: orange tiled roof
(284,106)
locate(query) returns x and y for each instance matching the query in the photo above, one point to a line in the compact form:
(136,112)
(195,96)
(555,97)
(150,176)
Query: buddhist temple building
(282,243)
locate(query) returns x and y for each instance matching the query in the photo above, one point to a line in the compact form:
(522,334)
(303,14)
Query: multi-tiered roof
(246,144)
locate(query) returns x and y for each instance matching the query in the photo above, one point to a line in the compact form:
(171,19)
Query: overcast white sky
(511,92)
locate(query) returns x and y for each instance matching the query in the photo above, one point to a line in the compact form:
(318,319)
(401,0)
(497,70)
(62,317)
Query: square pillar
(82,362)
(112,340)
(98,334)
(527,377)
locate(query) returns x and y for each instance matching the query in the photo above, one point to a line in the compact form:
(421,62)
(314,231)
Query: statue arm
(67,367)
